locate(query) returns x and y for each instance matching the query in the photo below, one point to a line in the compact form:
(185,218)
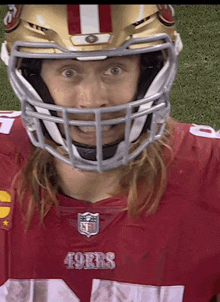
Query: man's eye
(68,73)
(113,71)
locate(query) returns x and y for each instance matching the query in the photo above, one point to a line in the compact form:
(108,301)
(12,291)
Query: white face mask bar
(155,102)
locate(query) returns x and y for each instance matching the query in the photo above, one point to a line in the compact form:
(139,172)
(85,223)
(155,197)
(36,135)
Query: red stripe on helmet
(73,17)
(105,18)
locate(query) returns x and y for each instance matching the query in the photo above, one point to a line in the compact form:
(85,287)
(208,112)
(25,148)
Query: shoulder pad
(196,139)
(13,136)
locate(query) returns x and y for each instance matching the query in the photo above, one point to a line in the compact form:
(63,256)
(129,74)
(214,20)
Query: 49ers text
(90,260)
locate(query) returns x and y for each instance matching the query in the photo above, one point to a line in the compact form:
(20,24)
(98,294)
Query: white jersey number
(7,120)
(204,131)
(56,290)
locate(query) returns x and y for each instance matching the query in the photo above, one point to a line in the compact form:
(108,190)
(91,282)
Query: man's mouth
(91,129)
(88,134)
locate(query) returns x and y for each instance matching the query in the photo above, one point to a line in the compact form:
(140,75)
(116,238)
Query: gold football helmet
(92,32)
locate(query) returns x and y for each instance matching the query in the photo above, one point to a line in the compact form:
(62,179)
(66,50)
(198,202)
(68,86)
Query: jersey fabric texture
(94,252)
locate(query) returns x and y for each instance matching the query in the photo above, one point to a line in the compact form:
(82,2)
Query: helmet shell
(65,25)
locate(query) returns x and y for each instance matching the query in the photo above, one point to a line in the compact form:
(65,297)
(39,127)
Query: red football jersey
(95,252)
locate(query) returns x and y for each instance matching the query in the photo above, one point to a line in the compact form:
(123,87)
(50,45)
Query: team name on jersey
(90,260)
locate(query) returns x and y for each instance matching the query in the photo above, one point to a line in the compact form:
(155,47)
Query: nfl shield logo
(88,223)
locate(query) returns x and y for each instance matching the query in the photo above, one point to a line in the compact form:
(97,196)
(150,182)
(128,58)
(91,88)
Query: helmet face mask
(43,119)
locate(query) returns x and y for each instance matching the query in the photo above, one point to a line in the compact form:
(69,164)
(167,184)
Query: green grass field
(195,95)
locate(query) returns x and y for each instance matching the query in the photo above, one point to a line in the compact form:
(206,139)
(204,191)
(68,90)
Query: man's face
(93,84)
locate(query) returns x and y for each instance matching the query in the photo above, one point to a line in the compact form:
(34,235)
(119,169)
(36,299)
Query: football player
(103,197)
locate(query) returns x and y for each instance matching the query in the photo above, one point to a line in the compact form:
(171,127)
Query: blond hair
(143,181)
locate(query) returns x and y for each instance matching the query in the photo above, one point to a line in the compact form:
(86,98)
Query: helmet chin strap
(90,152)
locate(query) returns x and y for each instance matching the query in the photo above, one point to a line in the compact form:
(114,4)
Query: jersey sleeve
(3,257)
(196,163)
(14,147)
(198,150)
(13,137)
(194,183)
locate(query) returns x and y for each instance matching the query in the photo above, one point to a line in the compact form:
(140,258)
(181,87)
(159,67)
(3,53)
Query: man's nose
(92,93)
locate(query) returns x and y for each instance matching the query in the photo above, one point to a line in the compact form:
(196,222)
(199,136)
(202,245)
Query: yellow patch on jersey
(5,196)
(4,210)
